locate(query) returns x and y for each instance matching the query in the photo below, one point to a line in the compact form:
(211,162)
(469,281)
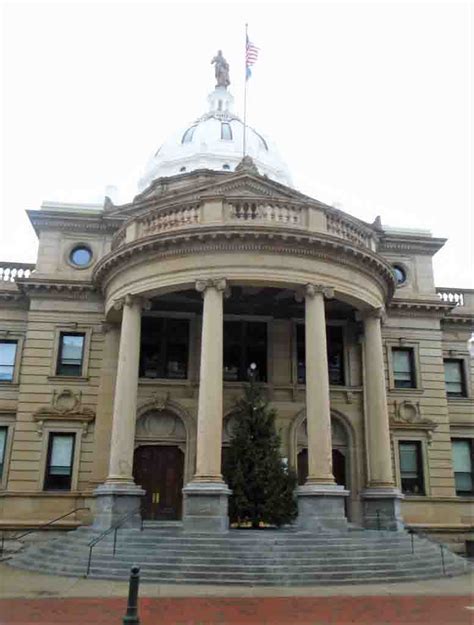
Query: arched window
(226,132)
(188,135)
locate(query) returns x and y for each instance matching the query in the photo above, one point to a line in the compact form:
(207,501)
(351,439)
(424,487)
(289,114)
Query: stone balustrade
(272,212)
(10,271)
(458,297)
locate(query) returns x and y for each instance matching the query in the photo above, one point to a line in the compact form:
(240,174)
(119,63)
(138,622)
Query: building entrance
(159,470)
(338,467)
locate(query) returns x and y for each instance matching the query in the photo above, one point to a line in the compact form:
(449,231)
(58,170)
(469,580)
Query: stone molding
(50,288)
(372,313)
(220,284)
(310,291)
(247,239)
(66,405)
(132,300)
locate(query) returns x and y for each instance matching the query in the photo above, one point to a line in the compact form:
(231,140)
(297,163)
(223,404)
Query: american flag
(251,56)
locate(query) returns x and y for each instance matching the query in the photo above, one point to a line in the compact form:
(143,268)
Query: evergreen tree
(262,487)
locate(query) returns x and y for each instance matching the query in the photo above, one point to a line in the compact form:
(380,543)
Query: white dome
(215,141)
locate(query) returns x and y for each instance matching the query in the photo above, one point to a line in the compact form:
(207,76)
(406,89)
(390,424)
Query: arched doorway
(158,465)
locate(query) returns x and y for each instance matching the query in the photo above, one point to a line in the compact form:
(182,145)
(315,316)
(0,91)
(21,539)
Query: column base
(321,507)
(113,502)
(382,509)
(205,507)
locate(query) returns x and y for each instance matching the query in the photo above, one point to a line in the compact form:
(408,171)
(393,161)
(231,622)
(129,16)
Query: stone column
(119,496)
(105,403)
(381,498)
(206,496)
(320,500)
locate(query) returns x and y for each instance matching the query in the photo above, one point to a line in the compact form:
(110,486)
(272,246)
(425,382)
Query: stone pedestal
(205,507)
(113,502)
(321,507)
(382,508)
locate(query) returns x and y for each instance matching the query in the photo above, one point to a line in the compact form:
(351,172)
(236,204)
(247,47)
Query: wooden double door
(159,470)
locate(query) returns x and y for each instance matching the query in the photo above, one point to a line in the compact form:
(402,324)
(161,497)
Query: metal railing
(412,533)
(106,532)
(39,528)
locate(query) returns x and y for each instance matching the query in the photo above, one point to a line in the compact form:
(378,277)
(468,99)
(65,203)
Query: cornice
(73,222)
(248,239)
(411,307)
(410,244)
(64,289)
(461,319)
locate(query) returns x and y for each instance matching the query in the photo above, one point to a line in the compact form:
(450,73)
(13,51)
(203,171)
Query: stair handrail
(116,526)
(40,527)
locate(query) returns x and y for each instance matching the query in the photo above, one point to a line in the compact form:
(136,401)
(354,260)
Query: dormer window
(226,132)
(188,135)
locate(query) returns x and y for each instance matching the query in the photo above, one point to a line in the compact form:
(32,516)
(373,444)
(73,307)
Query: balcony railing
(276,213)
(9,272)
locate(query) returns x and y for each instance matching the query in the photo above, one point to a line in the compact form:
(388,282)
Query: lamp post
(252,371)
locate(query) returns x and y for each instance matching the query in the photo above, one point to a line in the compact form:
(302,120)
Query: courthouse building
(125,346)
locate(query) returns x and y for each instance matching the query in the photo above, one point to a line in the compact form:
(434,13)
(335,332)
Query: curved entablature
(249,254)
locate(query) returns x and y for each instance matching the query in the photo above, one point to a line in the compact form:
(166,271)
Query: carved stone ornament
(160,399)
(372,313)
(220,284)
(130,300)
(160,425)
(247,165)
(407,416)
(66,405)
(310,290)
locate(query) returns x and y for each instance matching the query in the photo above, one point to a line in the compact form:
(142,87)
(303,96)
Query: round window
(80,256)
(400,274)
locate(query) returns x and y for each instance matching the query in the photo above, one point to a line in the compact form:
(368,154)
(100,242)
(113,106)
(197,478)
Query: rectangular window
(70,354)
(164,348)
(245,342)
(403,367)
(3,447)
(59,461)
(411,467)
(454,377)
(7,360)
(463,466)
(335,354)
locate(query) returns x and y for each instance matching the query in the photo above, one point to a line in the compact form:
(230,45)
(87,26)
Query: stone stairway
(282,557)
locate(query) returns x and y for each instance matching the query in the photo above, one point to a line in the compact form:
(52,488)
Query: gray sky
(369,104)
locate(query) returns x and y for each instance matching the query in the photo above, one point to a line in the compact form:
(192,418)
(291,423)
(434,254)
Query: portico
(205,495)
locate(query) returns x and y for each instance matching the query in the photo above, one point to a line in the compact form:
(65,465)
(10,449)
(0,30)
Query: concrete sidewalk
(19,583)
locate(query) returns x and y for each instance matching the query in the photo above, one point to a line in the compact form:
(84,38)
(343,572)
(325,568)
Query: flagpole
(245,93)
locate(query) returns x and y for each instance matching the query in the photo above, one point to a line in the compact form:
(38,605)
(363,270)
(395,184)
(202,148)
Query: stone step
(250,558)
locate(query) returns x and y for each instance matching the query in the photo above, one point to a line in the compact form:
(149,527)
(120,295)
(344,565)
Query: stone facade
(210,247)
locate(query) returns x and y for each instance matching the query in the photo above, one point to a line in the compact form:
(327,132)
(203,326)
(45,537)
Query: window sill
(409,391)
(460,400)
(68,378)
(7,384)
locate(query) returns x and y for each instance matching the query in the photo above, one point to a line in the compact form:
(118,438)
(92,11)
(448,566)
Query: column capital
(132,300)
(310,291)
(220,284)
(372,313)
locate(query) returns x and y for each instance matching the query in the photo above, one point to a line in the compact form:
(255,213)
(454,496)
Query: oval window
(400,274)
(80,256)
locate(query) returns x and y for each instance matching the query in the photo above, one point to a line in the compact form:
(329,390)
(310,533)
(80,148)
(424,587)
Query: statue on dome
(221,70)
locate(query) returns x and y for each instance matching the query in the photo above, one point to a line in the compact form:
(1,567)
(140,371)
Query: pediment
(249,186)
(240,185)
